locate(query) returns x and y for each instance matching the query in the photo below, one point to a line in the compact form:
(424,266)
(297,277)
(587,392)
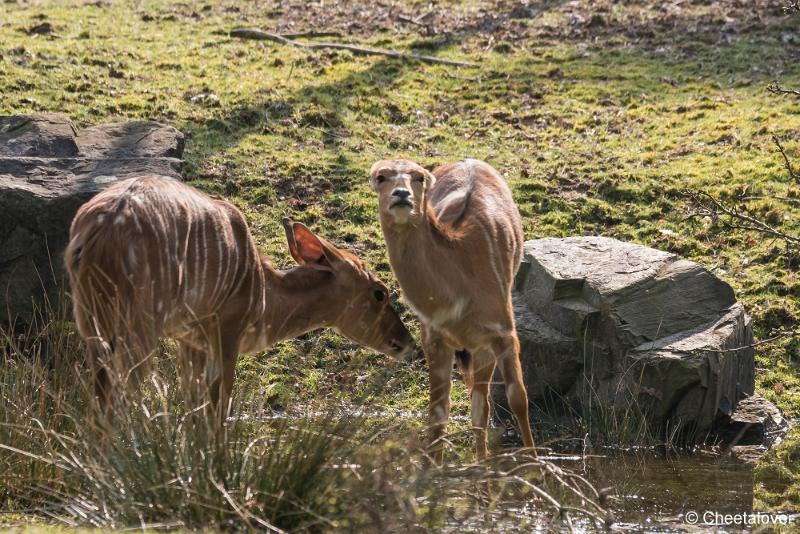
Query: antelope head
(402,188)
(354,302)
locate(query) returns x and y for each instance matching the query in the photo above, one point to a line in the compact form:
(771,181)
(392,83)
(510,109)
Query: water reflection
(647,492)
(657,492)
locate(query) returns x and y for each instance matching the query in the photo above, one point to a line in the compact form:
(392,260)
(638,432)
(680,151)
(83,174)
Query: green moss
(778,475)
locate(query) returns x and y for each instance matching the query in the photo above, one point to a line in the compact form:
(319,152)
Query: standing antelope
(455,242)
(151,257)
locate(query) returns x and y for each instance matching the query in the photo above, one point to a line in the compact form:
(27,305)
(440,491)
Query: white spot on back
(452,199)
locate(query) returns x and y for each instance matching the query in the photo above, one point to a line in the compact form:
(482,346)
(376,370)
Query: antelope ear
(430,179)
(373,174)
(332,254)
(307,248)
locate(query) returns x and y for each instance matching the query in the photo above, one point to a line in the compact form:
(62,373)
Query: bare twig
(409,20)
(422,21)
(250,33)
(733,217)
(780,335)
(565,480)
(777,89)
(464,78)
(243,513)
(794,5)
(786,163)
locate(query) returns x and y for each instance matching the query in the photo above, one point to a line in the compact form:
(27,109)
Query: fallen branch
(777,89)
(310,35)
(250,33)
(773,197)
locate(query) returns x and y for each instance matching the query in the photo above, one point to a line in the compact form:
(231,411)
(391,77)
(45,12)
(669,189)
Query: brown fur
(455,254)
(152,257)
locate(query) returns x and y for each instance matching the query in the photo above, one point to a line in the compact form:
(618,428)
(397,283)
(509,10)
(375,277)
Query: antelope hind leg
(483,366)
(507,353)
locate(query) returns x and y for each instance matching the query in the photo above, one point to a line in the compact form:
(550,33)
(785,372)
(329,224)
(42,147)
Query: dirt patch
(299,186)
(571,186)
(503,24)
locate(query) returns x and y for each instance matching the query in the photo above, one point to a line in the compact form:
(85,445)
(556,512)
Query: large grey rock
(48,169)
(613,326)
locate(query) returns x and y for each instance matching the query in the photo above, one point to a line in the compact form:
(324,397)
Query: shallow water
(655,494)
(647,492)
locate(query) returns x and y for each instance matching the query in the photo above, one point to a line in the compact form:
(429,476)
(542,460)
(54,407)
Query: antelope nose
(404,351)
(401,193)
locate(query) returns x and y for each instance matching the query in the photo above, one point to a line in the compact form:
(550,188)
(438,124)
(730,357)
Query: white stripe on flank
(202,259)
(194,276)
(131,257)
(216,293)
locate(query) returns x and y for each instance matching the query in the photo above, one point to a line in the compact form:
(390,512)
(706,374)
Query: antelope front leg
(192,368)
(440,370)
(506,351)
(102,393)
(221,391)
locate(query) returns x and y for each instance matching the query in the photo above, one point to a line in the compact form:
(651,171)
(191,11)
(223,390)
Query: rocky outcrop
(48,168)
(753,428)
(613,326)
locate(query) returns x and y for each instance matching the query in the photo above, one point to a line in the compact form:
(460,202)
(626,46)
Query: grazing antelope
(455,243)
(152,257)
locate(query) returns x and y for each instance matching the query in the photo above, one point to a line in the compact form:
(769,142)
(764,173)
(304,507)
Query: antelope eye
(380,179)
(379,295)
(419,178)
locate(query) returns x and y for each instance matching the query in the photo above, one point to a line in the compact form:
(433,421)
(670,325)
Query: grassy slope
(598,127)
